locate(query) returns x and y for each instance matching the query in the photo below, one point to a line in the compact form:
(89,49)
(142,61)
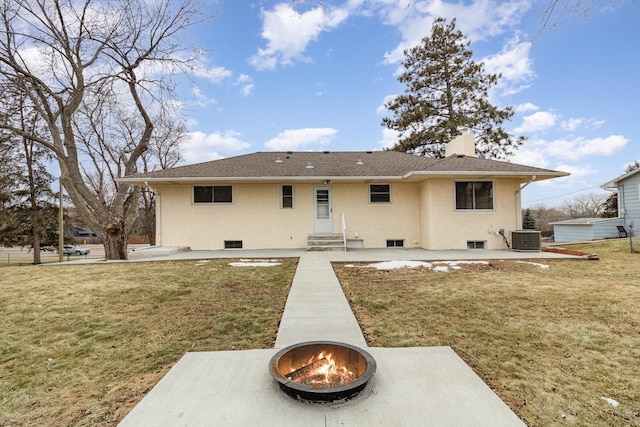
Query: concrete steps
(325,242)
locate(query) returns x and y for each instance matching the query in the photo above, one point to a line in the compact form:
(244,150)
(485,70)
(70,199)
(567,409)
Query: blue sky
(314,75)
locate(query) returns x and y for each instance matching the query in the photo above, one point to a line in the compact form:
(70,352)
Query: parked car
(75,250)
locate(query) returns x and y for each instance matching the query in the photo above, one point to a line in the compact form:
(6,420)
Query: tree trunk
(114,240)
(35,235)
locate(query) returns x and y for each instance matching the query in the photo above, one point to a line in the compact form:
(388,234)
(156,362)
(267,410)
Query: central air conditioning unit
(526,240)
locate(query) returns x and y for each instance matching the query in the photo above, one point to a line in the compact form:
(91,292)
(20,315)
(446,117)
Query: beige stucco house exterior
(374,199)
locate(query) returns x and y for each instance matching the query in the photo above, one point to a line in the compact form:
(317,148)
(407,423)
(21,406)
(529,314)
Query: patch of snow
(533,263)
(446,265)
(390,265)
(253,264)
(349,265)
(610,401)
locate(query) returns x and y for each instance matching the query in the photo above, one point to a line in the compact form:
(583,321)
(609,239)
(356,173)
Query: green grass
(550,342)
(82,344)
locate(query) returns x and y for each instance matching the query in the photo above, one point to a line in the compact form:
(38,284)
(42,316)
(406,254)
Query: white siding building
(628,187)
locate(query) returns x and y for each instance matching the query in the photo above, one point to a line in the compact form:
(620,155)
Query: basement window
(395,243)
(233,244)
(475,244)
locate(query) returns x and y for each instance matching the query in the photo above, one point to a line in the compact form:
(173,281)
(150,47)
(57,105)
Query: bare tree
(88,67)
(163,153)
(544,215)
(557,10)
(590,205)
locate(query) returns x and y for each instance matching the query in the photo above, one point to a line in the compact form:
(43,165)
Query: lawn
(551,342)
(82,344)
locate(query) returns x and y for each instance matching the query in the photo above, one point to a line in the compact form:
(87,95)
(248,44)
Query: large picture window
(379,193)
(474,195)
(213,194)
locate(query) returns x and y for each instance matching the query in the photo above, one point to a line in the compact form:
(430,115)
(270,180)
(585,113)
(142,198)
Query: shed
(582,229)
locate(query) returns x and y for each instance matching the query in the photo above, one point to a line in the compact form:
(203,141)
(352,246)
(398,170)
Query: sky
(315,75)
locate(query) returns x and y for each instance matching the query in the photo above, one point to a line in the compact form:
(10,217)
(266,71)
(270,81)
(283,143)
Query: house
(372,199)
(628,187)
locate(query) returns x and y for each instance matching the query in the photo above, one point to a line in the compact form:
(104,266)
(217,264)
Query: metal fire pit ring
(360,362)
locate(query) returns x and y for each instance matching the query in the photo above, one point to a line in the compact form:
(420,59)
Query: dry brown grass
(550,342)
(82,344)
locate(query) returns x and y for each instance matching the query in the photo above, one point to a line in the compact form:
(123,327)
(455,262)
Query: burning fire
(322,371)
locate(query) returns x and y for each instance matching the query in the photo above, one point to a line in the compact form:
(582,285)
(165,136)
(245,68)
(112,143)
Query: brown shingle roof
(348,165)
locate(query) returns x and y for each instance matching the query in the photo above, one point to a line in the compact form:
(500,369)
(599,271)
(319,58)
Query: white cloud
(213,74)
(515,65)
(577,171)
(294,139)
(532,153)
(554,154)
(536,122)
(245,83)
(390,138)
(288,33)
(382,109)
(201,99)
(476,20)
(202,147)
(525,108)
(571,124)
(581,147)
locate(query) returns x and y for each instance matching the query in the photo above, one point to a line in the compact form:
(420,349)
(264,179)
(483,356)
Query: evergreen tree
(446,93)
(528,222)
(633,166)
(611,206)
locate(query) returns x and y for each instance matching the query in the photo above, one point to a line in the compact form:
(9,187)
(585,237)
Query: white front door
(322,212)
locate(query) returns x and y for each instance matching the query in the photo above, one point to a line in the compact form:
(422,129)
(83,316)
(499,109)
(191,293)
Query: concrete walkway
(419,386)
(316,307)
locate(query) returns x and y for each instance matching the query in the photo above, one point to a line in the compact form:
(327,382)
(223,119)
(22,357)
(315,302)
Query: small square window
(379,193)
(222,194)
(395,243)
(202,194)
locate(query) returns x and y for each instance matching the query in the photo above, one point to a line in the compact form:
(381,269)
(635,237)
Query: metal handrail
(344,232)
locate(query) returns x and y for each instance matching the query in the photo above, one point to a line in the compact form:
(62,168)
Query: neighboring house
(628,187)
(380,198)
(583,229)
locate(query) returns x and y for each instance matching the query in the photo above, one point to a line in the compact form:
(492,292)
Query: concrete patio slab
(416,386)
(412,386)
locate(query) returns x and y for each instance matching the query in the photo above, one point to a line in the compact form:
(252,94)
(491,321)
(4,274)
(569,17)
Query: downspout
(158,216)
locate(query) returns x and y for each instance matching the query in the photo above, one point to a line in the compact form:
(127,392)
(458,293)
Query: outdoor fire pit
(322,371)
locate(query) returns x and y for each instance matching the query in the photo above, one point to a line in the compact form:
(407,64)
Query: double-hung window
(287,196)
(379,193)
(213,194)
(474,195)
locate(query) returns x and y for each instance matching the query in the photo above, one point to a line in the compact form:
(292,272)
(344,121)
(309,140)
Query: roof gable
(614,183)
